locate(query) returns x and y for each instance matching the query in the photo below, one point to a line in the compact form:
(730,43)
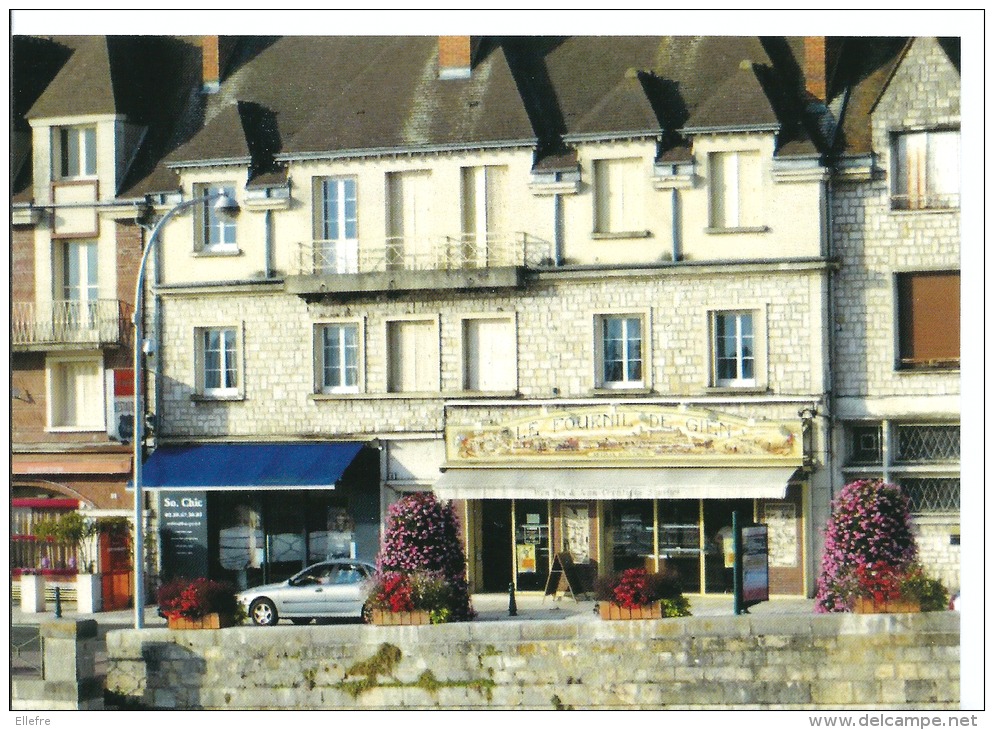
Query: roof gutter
(730,129)
(613,136)
(385,151)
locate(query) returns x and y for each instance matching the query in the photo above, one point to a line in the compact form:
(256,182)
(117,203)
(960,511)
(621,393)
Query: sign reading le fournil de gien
(606,434)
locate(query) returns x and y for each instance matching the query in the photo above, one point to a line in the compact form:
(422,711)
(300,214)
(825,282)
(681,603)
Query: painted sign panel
(755,565)
(183,528)
(627,434)
(781,518)
(576,532)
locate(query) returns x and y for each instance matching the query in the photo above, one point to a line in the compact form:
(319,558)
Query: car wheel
(263,612)
(301,621)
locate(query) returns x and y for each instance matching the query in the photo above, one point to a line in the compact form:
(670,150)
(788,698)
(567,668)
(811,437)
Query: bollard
(512,606)
(58,602)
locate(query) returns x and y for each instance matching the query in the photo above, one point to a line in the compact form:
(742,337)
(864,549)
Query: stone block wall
(907,661)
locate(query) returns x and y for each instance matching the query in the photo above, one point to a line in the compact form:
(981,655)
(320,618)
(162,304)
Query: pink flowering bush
(870,526)
(422,536)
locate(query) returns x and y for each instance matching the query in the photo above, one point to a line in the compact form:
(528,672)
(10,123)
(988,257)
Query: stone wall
(908,661)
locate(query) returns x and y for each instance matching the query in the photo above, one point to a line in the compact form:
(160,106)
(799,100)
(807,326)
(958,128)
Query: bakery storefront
(619,486)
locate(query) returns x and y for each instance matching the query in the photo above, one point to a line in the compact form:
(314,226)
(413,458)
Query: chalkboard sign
(183,528)
(564,578)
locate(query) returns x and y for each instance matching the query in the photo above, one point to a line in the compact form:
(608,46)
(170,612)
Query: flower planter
(379,617)
(614,612)
(33,593)
(88,597)
(210,621)
(900,605)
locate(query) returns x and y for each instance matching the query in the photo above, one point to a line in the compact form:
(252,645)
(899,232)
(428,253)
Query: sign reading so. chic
(624,433)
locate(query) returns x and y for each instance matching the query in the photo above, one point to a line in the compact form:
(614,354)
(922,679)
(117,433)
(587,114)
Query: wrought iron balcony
(66,324)
(398,263)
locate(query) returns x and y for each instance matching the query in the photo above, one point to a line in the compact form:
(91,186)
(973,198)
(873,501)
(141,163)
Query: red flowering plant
(638,587)
(879,581)
(183,598)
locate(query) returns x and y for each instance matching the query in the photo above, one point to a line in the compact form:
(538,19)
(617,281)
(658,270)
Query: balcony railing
(96,322)
(449,253)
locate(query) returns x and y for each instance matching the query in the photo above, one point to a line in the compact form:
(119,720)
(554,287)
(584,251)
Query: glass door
(531,544)
(719,555)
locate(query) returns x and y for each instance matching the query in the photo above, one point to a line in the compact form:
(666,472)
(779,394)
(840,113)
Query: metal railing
(96,322)
(448,253)
(26,651)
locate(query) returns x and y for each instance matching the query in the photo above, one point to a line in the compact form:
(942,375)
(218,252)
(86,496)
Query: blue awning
(249,465)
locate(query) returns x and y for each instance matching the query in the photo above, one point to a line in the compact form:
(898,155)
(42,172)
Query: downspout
(557,229)
(267,266)
(675,222)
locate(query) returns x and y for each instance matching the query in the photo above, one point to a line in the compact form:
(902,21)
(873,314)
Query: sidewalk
(489,607)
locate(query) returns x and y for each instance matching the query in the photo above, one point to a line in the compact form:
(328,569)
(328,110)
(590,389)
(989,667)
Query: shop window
(925,170)
(633,535)
(217,361)
(928,314)
(339,357)
(489,354)
(216,230)
(618,200)
(412,356)
(75,393)
(864,444)
(77,152)
(620,352)
(932,494)
(734,191)
(336,231)
(920,443)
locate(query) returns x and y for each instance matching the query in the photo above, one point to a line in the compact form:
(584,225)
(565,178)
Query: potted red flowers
(639,594)
(199,604)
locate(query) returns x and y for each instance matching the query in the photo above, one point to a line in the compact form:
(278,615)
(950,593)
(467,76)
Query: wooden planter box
(868,605)
(614,612)
(210,621)
(379,617)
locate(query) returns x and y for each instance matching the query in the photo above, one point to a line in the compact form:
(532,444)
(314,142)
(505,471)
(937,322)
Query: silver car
(334,588)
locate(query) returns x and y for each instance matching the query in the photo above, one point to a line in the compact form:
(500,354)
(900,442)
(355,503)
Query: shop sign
(609,434)
(183,527)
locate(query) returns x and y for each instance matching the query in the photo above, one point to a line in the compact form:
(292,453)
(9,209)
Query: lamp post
(221,203)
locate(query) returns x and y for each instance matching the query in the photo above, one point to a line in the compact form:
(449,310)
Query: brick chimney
(455,56)
(816,67)
(216,51)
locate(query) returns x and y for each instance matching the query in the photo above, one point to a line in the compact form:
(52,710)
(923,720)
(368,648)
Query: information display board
(183,527)
(755,565)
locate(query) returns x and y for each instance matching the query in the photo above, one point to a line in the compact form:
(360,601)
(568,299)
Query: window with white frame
(619,351)
(734,349)
(336,232)
(77,151)
(216,229)
(79,285)
(412,356)
(338,357)
(482,203)
(409,217)
(619,207)
(735,191)
(489,354)
(75,393)
(217,361)
(925,170)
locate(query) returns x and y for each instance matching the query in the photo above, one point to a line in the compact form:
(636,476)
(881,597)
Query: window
(336,225)
(618,204)
(920,443)
(76,393)
(409,214)
(864,444)
(735,190)
(79,284)
(620,351)
(734,349)
(489,354)
(217,350)
(928,319)
(925,170)
(77,150)
(932,494)
(215,229)
(338,357)
(412,356)
(482,194)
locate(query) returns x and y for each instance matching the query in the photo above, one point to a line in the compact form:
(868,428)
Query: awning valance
(620,483)
(249,465)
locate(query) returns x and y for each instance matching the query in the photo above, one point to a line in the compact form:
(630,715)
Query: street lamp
(222,203)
